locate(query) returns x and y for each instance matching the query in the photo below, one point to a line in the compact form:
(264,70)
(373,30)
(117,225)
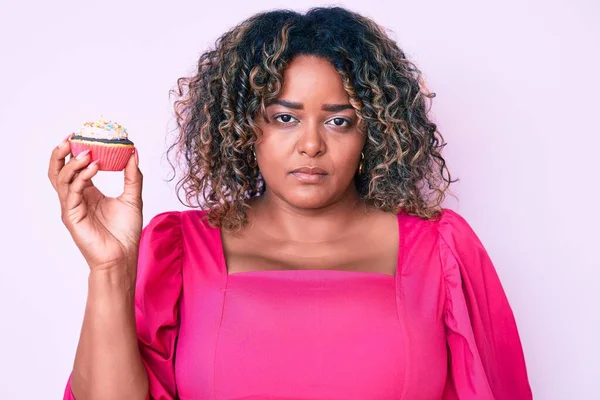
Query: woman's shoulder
(170,237)
(447,223)
(457,233)
(176,219)
(447,236)
(174,227)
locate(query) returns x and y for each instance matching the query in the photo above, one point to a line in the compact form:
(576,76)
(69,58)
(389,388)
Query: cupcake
(107,142)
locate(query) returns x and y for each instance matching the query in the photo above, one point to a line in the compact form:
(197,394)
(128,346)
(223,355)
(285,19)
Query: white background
(517,99)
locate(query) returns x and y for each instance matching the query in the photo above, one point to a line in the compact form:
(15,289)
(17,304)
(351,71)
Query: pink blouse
(441,328)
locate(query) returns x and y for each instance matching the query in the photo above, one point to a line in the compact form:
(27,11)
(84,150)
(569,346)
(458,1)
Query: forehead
(312,79)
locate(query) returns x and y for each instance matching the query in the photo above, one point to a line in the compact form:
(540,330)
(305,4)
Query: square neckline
(310,272)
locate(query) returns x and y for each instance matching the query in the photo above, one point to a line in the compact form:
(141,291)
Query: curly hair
(215,111)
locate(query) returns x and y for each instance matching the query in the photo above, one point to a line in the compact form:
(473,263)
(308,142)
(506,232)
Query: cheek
(346,158)
(274,161)
(272,145)
(273,155)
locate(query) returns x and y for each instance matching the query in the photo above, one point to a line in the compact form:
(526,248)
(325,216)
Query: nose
(311,141)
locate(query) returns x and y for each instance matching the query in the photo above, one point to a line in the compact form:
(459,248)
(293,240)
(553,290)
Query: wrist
(119,277)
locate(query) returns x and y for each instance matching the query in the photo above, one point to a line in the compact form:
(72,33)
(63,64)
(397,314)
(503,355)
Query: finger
(57,159)
(69,172)
(132,191)
(83,180)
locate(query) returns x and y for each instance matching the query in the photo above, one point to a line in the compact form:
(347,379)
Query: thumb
(132,191)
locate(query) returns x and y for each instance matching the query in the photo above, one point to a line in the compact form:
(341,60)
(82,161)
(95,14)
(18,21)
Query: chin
(308,200)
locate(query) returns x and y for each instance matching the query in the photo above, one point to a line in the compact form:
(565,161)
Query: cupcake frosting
(103,129)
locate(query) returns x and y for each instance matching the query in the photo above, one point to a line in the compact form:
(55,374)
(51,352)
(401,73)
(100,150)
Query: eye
(339,122)
(285,118)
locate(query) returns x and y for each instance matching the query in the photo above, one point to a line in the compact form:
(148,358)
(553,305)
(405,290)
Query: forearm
(108,364)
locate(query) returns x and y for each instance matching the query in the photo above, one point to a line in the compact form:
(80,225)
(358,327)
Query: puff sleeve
(157,292)
(486,360)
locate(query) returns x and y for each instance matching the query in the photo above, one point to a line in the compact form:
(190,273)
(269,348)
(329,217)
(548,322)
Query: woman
(321,265)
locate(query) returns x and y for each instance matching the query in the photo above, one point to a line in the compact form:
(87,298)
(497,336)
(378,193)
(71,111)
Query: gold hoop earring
(255,159)
(361,163)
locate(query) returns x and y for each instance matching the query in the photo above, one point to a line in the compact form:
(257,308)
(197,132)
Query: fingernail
(92,164)
(137,157)
(82,154)
(65,139)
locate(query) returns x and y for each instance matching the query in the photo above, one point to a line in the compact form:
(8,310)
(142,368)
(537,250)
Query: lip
(310,170)
(309,174)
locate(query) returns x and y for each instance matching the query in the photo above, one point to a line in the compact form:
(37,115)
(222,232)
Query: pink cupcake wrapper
(110,158)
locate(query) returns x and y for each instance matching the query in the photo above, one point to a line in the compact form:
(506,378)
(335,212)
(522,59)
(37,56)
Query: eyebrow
(299,106)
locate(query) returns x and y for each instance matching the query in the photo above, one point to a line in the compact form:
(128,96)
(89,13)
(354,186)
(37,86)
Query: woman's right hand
(106,230)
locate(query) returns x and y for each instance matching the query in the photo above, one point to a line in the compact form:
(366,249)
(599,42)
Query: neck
(283,221)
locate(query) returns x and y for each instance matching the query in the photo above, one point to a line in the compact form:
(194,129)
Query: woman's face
(310,149)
